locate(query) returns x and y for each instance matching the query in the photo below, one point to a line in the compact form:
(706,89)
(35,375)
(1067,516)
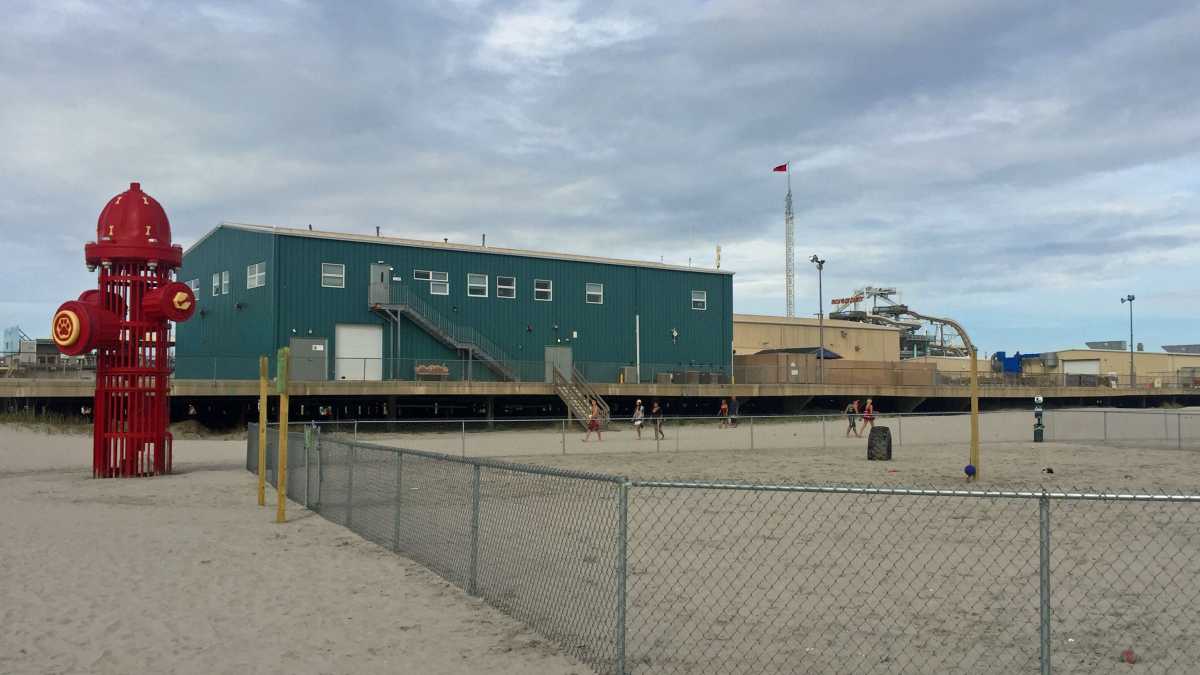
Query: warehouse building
(853,340)
(360,307)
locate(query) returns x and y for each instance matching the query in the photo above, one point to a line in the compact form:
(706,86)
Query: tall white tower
(789,249)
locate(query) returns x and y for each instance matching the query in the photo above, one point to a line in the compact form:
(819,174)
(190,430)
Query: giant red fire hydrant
(126,321)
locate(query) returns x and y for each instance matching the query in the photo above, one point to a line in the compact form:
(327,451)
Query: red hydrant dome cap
(133,227)
(134,218)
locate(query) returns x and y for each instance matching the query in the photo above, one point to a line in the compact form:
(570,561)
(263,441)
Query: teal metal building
(360,307)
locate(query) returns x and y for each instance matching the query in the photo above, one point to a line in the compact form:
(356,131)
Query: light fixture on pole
(1132,377)
(820,318)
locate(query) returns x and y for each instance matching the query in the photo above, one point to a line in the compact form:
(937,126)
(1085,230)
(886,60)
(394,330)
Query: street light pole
(1132,377)
(820,318)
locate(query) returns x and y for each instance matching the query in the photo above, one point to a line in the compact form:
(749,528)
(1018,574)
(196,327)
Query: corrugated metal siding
(599,334)
(221,340)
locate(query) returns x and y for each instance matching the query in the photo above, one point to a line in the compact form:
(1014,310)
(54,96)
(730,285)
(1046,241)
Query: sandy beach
(185,574)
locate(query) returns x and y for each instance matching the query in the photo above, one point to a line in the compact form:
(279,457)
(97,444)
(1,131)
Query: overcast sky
(1015,166)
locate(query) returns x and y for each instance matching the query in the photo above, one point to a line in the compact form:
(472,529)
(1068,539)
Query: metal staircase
(403,301)
(578,395)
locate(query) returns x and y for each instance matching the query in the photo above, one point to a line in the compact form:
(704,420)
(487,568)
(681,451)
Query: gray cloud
(991,158)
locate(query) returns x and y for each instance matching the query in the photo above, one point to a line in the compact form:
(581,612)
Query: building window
(700,300)
(439,283)
(216,284)
(594,294)
(194,284)
(333,275)
(543,289)
(256,275)
(506,287)
(225,282)
(477,285)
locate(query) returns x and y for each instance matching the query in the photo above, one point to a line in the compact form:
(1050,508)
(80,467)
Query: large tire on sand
(879,444)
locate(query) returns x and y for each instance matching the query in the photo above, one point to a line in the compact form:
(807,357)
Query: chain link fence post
(1179,429)
(823,432)
(464,438)
(320,471)
(399,499)
(899,429)
(1105,413)
(678,433)
(564,436)
(473,587)
(1044,573)
(350,489)
(751,433)
(622,557)
(309,436)
(356,429)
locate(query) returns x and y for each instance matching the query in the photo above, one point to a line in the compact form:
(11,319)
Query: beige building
(1149,367)
(851,340)
(1093,365)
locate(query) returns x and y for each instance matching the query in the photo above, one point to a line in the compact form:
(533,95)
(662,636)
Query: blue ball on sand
(969,470)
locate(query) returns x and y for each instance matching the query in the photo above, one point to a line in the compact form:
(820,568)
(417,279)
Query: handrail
(402,295)
(579,380)
(581,387)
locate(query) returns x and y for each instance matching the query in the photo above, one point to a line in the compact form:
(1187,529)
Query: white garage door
(1088,367)
(359,352)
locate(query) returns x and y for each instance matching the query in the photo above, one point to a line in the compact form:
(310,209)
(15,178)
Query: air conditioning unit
(629,374)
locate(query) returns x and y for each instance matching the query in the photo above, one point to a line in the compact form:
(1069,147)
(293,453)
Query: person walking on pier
(734,406)
(723,413)
(852,419)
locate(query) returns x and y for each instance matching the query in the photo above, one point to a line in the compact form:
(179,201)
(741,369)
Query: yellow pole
(974,455)
(281,369)
(974,406)
(281,475)
(262,430)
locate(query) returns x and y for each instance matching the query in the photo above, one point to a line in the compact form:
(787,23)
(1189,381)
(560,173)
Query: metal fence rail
(641,576)
(533,436)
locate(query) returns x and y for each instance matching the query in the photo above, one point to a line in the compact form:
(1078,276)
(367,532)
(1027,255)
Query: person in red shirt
(868,415)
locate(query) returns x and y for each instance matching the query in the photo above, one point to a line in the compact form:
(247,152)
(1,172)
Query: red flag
(781,167)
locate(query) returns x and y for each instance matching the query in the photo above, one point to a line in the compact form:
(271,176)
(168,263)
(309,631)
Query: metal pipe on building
(637,340)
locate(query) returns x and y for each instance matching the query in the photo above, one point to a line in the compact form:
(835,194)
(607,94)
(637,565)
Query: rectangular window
(477,285)
(439,288)
(506,287)
(439,276)
(594,294)
(333,275)
(194,284)
(543,289)
(422,275)
(216,284)
(256,275)
(700,300)
(225,282)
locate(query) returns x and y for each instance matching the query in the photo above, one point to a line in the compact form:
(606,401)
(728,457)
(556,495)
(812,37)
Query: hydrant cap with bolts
(133,226)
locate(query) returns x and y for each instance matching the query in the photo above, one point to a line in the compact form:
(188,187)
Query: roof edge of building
(446,246)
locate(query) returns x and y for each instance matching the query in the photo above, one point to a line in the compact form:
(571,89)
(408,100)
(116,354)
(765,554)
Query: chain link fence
(541,436)
(639,577)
